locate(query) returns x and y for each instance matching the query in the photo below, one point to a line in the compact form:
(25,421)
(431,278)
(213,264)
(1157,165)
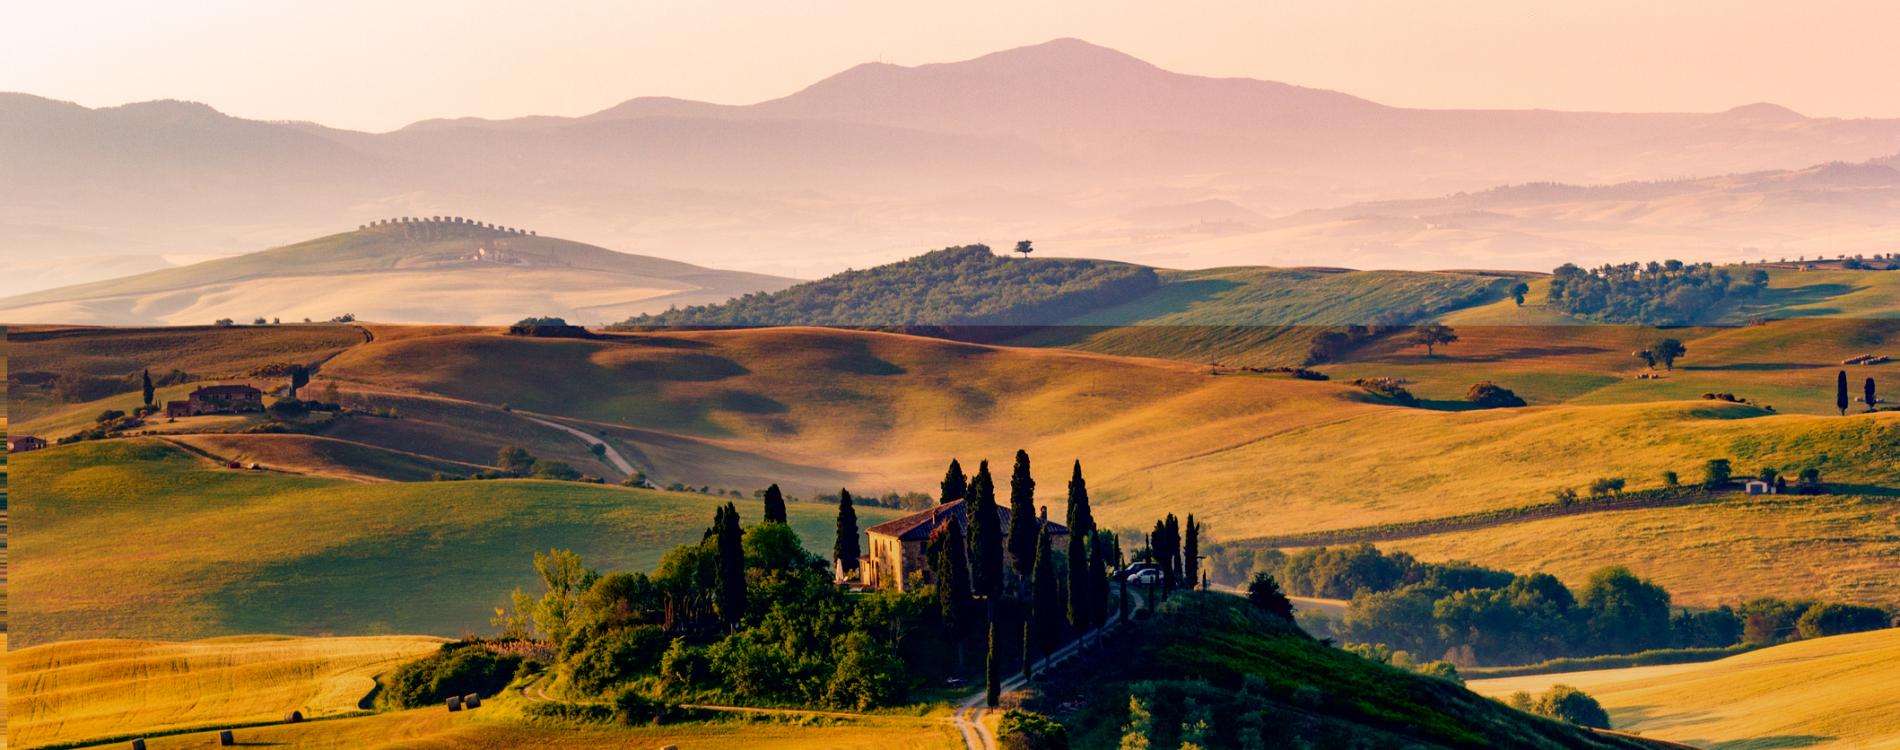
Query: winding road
(613,456)
(970,713)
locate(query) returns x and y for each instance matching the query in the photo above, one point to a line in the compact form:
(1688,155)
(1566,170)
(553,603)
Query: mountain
(1071,144)
(436,271)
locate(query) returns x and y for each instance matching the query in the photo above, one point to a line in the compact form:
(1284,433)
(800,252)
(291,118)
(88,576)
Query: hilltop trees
(774,505)
(1432,336)
(1668,293)
(1664,352)
(846,550)
(954,484)
(1840,392)
(1022,517)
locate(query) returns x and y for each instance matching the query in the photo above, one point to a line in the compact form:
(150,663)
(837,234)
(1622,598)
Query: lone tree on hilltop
(846,551)
(1433,336)
(1840,392)
(774,505)
(1023,248)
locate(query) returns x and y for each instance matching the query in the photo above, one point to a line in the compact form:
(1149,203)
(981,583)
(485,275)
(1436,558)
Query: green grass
(137,538)
(1218,650)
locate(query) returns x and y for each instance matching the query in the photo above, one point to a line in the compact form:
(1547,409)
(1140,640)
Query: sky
(381,65)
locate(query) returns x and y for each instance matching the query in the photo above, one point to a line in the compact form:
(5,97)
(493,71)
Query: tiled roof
(921,524)
(225,390)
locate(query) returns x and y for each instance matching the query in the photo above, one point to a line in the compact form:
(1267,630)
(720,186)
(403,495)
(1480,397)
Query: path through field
(613,456)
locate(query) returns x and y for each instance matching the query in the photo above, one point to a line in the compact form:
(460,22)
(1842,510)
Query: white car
(1144,577)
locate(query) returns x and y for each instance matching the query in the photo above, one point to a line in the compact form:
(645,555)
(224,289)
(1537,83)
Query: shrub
(617,656)
(868,674)
(1838,619)
(683,666)
(555,470)
(1566,703)
(458,669)
(633,707)
(1024,730)
(1489,395)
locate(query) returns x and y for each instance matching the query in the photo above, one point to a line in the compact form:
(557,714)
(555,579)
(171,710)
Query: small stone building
(217,399)
(24,443)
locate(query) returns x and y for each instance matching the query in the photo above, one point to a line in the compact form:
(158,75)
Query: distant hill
(1061,141)
(958,286)
(424,272)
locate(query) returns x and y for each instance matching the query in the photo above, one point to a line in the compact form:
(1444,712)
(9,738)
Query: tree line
(1666,293)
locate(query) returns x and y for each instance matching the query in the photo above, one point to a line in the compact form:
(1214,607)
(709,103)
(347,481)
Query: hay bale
(293,717)
(226,738)
(471,701)
(455,703)
(670,747)
(138,745)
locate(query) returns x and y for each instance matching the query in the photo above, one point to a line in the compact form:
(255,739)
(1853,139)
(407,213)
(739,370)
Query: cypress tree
(949,559)
(774,505)
(1171,560)
(730,550)
(1868,395)
(150,392)
(1190,554)
(1029,655)
(846,550)
(1081,532)
(986,535)
(1840,392)
(1098,581)
(1022,517)
(1046,607)
(992,671)
(954,484)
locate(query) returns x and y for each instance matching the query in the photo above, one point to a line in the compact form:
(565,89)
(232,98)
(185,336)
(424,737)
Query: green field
(139,538)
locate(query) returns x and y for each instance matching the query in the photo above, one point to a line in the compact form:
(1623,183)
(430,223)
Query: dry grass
(78,690)
(1833,692)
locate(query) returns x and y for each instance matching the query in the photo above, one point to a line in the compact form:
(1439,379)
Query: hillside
(1251,671)
(224,552)
(78,690)
(433,271)
(1066,142)
(1821,693)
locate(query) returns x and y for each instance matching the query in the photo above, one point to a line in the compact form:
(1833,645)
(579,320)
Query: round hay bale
(226,738)
(293,717)
(455,703)
(471,701)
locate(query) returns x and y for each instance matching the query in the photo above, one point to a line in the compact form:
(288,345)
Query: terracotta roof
(222,390)
(919,525)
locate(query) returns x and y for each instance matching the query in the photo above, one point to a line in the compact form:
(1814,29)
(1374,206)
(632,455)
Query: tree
(1191,553)
(1840,392)
(1082,591)
(846,551)
(1489,395)
(299,377)
(954,484)
(950,561)
(730,602)
(567,581)
(1097,587)
(1833,618)
(1867,396)
(1046,603)
(146,386)
(993,669)
(1171,528)
(1518,291)
(515,460)
(1664,352)
(1022,517)
(1433,336)
(1569,704)
(1716,473)
(774,505)
(1624,614)
(1265,593)
(986,535)
(1024,248)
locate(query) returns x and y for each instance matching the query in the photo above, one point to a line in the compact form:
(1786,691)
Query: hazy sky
(380,65)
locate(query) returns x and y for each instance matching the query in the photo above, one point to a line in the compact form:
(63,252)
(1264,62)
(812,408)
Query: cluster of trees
(1666,293)
(1331,345)
(547,328)
(1869,395)
(1475,615)
(955,286)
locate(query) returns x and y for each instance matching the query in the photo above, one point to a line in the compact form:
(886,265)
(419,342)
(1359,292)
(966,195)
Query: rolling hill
(1821,693)
(434,271)
(1066,142)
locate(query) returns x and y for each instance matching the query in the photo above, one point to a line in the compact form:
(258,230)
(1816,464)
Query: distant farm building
(897,546)
(1759,487)
(217,399)
(24,443)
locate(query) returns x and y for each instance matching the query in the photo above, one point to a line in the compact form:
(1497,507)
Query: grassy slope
(138,538)
(1220,639)
(1826,693)
(78,690)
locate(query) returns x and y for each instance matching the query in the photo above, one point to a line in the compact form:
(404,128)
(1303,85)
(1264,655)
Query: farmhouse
(1759,487)
(897,546)
(24,443)
(217,399)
